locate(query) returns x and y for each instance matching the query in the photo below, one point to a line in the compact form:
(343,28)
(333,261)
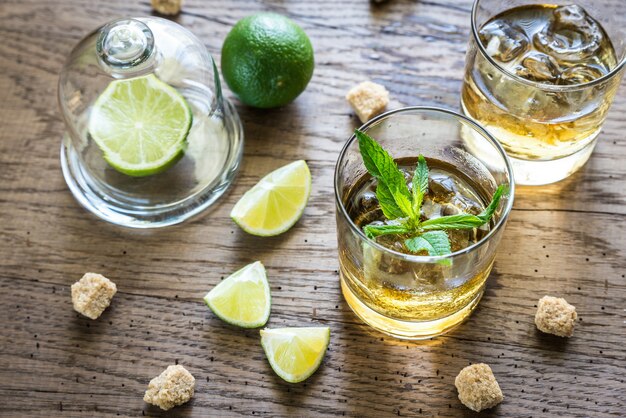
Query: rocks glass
(541,78)
(406,295)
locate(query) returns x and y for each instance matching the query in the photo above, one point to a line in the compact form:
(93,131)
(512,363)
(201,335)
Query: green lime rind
(267,60)
(286,376)
(140,125)
(266,233)
(239,212)
(239,279)
(144,171)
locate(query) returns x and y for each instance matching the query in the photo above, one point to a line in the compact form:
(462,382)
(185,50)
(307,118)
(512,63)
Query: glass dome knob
(125,43)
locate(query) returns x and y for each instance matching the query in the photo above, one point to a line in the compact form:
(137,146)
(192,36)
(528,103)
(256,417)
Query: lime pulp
(141,125)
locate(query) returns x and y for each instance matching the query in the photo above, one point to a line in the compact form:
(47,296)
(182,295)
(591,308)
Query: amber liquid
(401,290)
(548,45)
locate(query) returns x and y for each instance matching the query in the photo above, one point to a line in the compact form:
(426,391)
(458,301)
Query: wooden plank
(566,239)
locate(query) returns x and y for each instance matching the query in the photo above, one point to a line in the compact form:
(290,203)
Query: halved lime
(295,353)
(141,125)
(243,298)
(276,202)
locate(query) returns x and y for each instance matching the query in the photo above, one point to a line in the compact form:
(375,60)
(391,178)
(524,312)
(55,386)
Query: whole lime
(267,60)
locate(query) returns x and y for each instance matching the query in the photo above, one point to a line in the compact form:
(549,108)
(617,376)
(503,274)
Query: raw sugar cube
(368,100)
(555,316)
(167,7)
(92,294)
(478,388)
(171,388)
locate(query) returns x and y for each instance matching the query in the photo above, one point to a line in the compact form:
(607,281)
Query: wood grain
(567,239)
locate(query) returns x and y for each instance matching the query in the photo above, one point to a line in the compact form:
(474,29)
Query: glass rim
(422,258)
(536,84)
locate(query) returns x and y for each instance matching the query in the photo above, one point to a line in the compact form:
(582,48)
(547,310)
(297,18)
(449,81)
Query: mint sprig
(403,206)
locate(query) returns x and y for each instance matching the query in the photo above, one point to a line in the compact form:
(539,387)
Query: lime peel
(276,202)
(295,353)
(242,299)
(267,60)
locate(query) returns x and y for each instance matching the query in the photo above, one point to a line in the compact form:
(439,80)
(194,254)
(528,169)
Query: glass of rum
(541,78)
(397,292)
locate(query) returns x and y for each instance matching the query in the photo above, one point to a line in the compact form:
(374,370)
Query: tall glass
(548,126)
(410,296)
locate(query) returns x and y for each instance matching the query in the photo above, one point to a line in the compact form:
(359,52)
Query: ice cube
(431,210)
(580,74)
(536,66)
(370,217)
(441,185)
(389,263)
(380,267)
(503,41)
(428,277)
(459,238)
(367,207)
(572,35)
(408,175)
(466,205)
(449,209)
(368,201)
(392,265)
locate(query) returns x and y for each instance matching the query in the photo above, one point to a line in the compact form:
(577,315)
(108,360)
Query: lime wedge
(276,202)
(295,353)
(243,298)
(141,125)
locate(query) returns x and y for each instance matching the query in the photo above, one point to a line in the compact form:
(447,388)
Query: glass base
(537,173)
(94,197)
(407,330)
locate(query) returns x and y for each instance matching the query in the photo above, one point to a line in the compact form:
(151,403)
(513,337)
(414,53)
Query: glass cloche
(150,141)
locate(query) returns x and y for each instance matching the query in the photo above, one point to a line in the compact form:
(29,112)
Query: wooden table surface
(568,239)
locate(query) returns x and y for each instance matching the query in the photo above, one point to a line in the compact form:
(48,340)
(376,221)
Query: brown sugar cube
(555,316)
(478,388)
(92,294)
(171,388)
(167,7)
(368,100)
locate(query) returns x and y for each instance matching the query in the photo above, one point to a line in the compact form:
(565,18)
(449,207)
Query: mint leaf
(461,221)
(382,166)
(434,242)
(464,220)
(495,200)
(373,231)
(387,203)
(420,184)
